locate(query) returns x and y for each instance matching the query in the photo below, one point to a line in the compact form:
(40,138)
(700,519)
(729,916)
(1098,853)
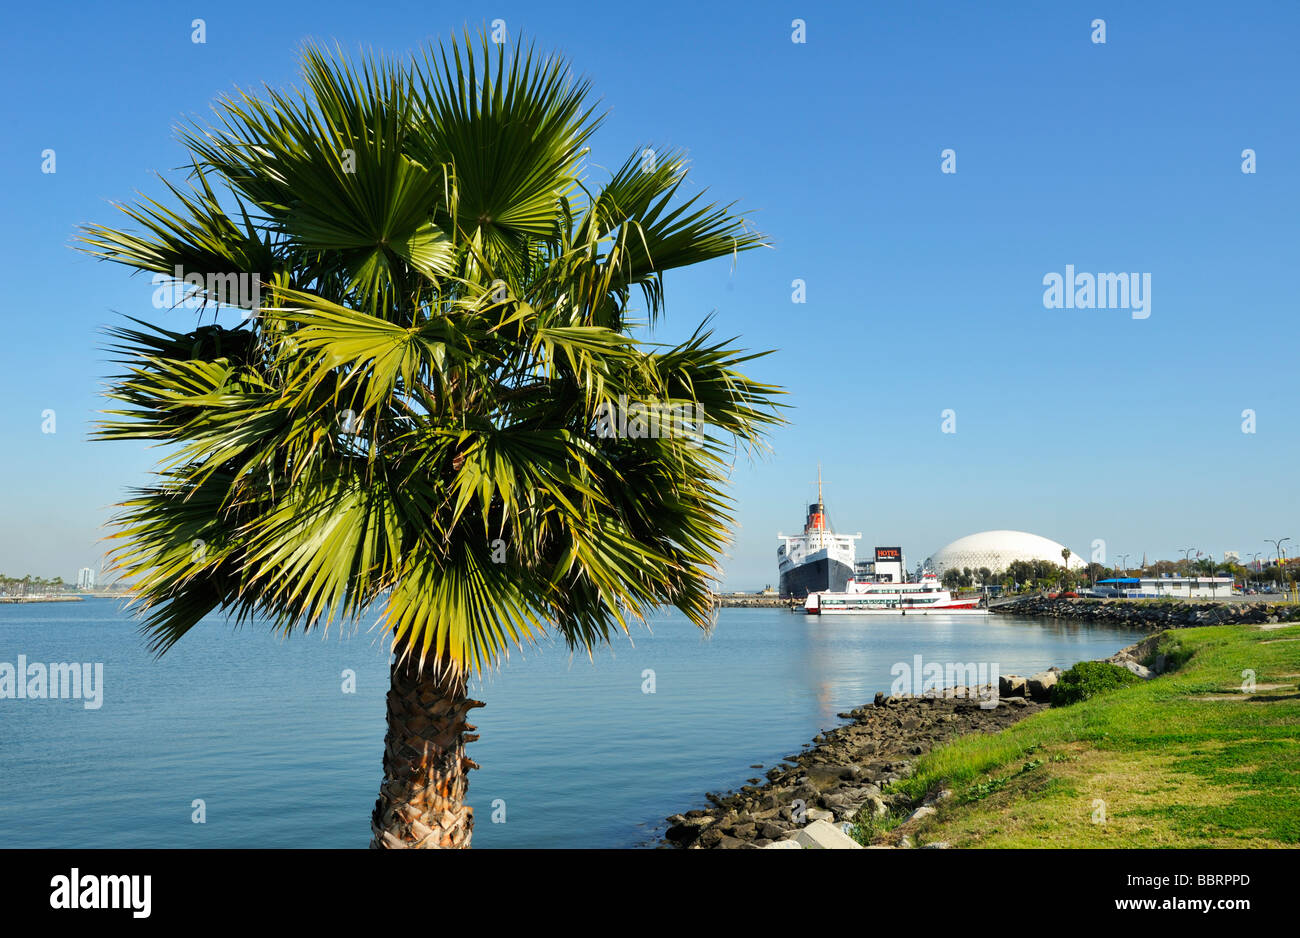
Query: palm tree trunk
(426,772)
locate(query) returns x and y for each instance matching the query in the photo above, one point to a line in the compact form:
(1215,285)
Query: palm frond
(410,423)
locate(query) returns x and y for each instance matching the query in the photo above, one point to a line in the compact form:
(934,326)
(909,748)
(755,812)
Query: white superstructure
(927,596)
(817,559)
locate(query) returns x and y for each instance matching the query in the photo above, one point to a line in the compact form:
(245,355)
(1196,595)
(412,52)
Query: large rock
(1011,685)
(824,778)
(782,845)
(805,793)
(845,798)
(687,830)
(1039,686)
(823,836)
(1136,668)
(710,838)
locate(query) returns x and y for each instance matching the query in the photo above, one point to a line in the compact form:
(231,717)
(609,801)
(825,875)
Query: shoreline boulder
(821,835)
(1011,685)
(1039,686)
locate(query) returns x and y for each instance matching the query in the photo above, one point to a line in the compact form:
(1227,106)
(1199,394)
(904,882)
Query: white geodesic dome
(997,550)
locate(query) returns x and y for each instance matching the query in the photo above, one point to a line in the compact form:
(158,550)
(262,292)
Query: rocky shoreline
(1152,614)
(850,769)
(810,797)
(749,601)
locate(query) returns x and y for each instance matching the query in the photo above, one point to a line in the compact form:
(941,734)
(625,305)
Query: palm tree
(410,421)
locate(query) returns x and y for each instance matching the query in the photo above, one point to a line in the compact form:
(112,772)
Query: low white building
(1178,587)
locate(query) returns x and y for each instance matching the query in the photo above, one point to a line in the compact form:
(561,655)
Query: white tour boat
(924,597)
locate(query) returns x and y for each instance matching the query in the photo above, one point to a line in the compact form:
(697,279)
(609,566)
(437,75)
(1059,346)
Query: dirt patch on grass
(1236,693)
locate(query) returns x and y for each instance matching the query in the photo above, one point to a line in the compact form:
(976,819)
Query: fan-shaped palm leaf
(410,424)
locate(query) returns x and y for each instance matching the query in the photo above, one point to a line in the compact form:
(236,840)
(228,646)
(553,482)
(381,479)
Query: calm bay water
(572,750)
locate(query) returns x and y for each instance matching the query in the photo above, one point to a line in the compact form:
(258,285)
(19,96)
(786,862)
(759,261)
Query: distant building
(889,566)
(1181,587)
(85,579)
(1231,556)
(997,550)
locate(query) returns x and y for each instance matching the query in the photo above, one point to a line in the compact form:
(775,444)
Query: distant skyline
(924,304)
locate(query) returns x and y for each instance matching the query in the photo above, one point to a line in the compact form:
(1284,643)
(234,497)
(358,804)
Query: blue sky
(924,289)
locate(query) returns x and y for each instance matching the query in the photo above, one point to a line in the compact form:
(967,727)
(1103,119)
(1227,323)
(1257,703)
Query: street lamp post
(1281,559)
(1187,561)
(1124,568)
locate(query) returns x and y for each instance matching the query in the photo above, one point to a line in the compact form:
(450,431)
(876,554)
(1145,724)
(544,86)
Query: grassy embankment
(1188,759)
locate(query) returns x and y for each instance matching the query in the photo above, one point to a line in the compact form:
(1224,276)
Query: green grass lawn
(1187,759)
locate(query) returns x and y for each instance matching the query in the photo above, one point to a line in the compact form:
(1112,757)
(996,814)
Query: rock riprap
(1160,614)
(850,770)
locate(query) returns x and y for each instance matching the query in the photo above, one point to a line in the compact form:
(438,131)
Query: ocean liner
(818,559)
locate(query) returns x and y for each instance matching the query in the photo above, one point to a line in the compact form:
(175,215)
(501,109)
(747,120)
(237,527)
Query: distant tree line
(31,585)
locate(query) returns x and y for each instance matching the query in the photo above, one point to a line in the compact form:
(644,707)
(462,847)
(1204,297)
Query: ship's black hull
(824,574)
